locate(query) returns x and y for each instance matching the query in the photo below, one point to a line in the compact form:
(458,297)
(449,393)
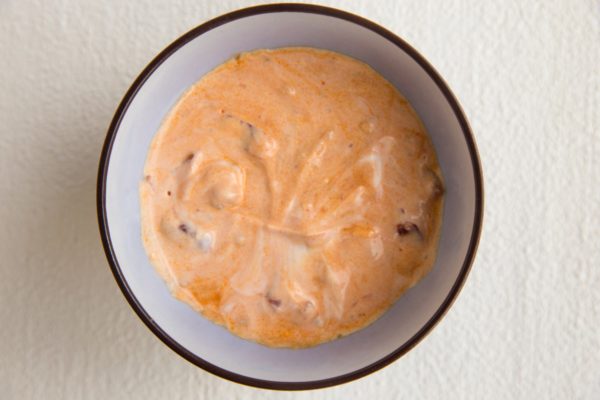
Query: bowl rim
(116,269)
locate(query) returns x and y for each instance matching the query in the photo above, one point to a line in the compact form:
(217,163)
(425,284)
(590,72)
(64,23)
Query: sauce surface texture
(291,195)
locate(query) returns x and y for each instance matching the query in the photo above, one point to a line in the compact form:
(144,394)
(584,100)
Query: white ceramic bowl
(157,89)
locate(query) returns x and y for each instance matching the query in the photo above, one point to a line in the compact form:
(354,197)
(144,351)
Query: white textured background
(526,325)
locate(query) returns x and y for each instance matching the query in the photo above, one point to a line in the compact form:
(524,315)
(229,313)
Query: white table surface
(527,323)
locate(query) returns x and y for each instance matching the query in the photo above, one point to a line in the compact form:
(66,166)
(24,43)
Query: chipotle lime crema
(291,195)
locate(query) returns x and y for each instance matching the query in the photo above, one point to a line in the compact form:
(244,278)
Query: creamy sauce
(291,195)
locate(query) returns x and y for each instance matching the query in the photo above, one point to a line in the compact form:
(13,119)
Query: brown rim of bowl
(116,269)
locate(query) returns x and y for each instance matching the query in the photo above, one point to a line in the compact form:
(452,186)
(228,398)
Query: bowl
(138,118)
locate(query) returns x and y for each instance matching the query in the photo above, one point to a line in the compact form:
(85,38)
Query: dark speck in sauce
(184,228)
(407,228)
(274,302)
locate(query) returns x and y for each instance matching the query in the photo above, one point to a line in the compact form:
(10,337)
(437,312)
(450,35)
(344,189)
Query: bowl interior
(142,118)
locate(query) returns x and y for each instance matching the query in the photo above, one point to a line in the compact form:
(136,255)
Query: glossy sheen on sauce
(291,195)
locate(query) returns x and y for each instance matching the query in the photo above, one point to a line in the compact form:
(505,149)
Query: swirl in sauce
(291,195)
